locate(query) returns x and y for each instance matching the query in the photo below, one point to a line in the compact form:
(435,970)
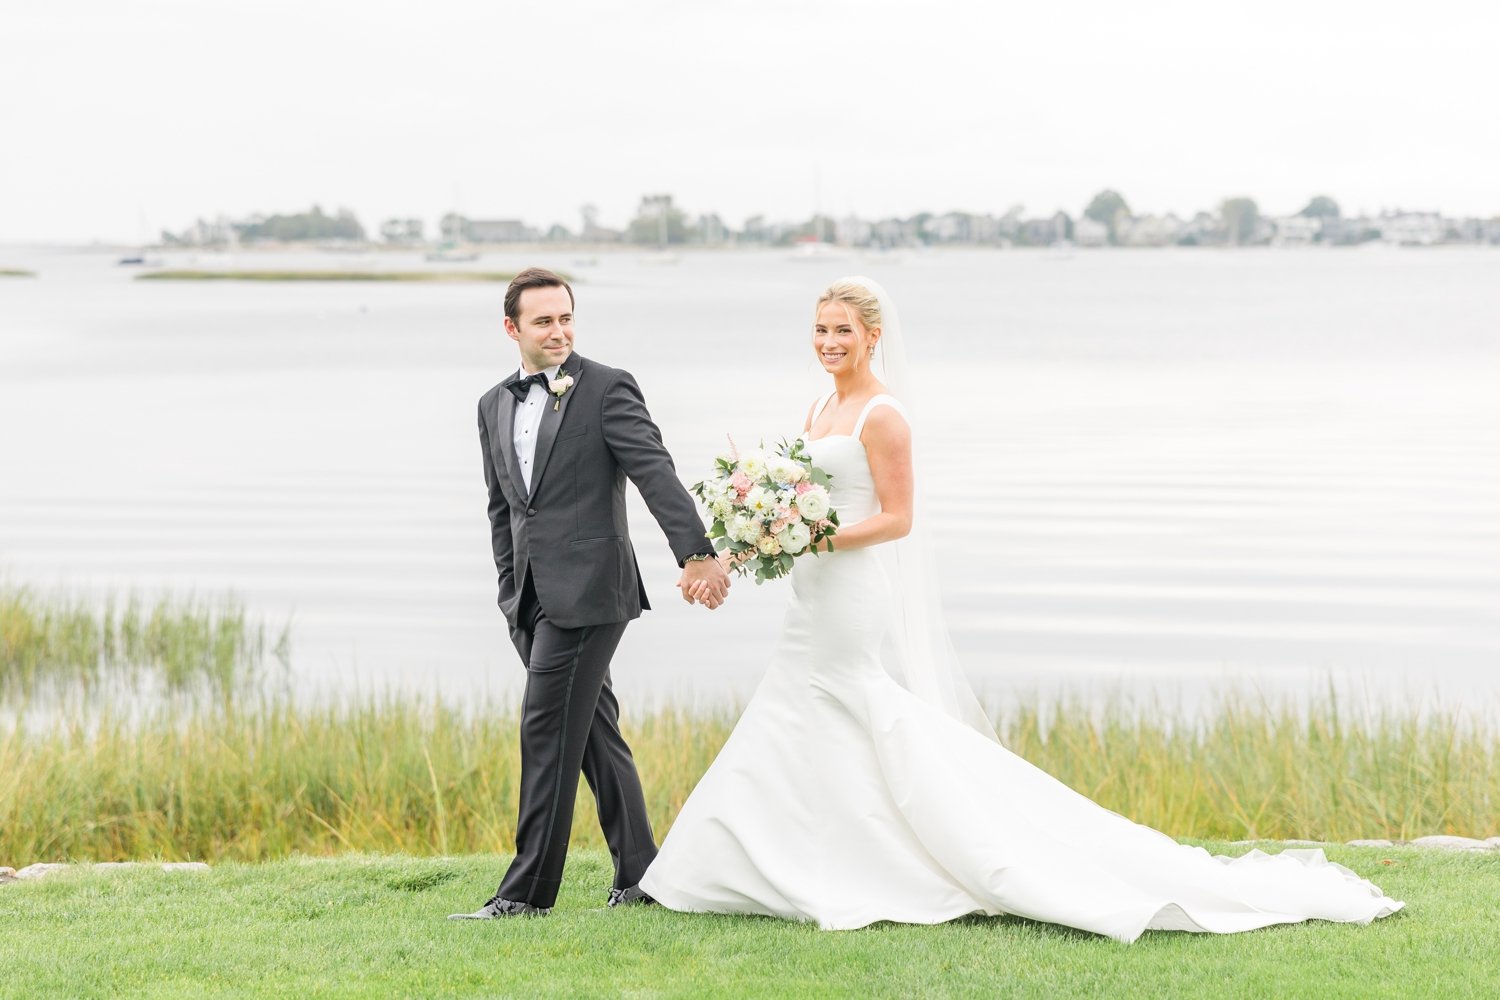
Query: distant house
(592,232)
(1043,232)
(401,232)
(852,231)
(499,231)
(710,230)
(1203,229)
(1421,229)
(954,227)
(1090,232)
(1150,230)
(458,229)
(1296,230)
(897,233)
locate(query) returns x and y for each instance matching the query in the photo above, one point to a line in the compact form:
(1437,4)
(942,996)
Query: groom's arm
(635,441)
(499,512)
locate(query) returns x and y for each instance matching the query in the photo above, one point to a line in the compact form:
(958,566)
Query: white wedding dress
(844,799)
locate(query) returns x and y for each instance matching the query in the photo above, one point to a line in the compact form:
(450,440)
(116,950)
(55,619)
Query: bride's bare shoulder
(887,422)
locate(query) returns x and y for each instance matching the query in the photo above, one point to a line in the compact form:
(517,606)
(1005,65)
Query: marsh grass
(16,272)
(266,777)
(54,641)
(205,763)
(266,275)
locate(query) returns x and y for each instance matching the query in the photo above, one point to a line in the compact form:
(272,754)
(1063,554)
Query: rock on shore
(44,868)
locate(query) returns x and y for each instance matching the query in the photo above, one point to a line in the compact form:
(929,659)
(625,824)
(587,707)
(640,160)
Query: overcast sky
(118,120)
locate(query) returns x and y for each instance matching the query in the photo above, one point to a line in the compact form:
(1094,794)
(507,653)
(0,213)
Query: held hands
(704,582)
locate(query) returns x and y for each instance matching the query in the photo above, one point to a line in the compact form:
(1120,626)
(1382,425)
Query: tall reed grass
(267,777)
(53,640)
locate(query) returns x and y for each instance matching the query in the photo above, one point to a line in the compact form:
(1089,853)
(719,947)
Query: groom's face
(544,328)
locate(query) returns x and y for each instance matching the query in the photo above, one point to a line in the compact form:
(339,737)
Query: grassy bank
(250,779)
(15,272)
(442,276)
(199,762)
(373,926)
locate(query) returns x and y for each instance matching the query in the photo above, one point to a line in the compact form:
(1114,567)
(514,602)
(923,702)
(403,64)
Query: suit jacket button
(531,512)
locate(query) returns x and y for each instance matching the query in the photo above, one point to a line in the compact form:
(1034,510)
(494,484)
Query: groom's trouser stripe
(566,675)
(562,745)
(611,773)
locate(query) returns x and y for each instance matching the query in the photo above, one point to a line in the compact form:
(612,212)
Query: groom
(559,439)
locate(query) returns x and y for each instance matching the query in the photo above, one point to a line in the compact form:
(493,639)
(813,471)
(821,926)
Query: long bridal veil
(918,651)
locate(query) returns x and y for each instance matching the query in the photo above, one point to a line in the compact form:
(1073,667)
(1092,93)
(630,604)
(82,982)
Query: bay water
(1164,473)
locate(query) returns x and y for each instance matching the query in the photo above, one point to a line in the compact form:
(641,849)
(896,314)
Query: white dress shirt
(528,421)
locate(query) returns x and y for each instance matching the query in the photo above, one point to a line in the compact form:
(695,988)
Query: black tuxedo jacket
(569,530)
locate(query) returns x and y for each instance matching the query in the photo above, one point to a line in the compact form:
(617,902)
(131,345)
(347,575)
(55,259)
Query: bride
(864,783)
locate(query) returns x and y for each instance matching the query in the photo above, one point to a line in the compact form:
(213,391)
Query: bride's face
(840,340)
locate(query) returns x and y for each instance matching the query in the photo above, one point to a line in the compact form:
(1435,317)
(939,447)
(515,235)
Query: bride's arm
(887,441)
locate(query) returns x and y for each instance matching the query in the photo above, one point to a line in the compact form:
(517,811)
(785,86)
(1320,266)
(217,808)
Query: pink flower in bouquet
(741,483)
(778,524)
(803,487)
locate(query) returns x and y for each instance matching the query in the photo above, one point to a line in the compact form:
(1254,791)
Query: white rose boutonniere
(558,386)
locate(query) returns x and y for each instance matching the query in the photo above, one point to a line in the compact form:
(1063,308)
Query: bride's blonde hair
(856,300)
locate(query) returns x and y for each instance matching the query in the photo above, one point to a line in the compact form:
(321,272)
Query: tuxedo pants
(570,724)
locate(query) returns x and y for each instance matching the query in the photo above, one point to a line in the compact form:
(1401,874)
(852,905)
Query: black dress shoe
(633,896)
(498,907)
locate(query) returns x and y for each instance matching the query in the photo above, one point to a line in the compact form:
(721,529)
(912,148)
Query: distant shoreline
(428,276)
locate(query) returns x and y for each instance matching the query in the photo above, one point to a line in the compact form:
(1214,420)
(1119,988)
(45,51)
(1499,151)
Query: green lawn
(361,925)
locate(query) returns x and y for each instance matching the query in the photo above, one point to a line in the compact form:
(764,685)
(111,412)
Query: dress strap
(818,411)
(881,400)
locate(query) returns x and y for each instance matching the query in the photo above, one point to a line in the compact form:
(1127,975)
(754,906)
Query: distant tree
(559,233)
(311,225)
(921,224)
(1321,207)
(657,221)
(819,227)
(1109,208)
(1064,224)
(1240,218)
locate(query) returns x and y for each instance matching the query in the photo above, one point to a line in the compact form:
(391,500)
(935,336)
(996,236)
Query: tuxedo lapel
(504,444)
(546,435)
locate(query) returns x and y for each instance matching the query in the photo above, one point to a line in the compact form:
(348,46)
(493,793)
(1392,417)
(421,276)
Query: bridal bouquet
(768,506)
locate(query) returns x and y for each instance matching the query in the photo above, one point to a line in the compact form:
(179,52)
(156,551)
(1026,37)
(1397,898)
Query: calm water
(1156,471)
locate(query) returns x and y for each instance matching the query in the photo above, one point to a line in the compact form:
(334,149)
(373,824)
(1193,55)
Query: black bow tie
(521,387)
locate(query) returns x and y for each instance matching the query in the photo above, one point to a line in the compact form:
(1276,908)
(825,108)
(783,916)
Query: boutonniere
(558,386)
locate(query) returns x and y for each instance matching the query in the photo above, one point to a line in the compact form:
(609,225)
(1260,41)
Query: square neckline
(879,399)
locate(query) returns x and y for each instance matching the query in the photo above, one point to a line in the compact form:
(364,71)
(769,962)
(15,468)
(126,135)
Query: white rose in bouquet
(744,529)
(782,469)
(753,463)
(760,501)
(769,546)
(813,505)
(794,537)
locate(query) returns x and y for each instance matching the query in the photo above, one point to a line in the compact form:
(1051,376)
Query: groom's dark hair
(532,277)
